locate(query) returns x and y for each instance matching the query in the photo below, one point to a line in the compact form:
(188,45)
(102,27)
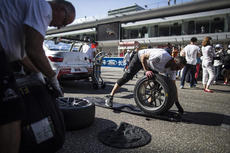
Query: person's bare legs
(10,137)
(114,90)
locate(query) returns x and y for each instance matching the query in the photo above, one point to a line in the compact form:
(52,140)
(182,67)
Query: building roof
(123,10)
(186,8)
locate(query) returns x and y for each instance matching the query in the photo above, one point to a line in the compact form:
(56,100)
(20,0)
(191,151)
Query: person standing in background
(191,52)
(226,66)
(218,62)
(198,63)
(207,66)
(90,50)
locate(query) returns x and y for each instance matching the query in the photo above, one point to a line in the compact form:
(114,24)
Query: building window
(134,33)
(189,27)
(176,29)
(124,33)
(217,25)
(202,26)
(163,30)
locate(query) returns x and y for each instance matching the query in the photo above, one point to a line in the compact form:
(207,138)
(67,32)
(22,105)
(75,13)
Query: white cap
(218,46)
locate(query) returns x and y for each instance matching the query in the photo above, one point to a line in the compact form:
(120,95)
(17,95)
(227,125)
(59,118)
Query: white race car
(67,61)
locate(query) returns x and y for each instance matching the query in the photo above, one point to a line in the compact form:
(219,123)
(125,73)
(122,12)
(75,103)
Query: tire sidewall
(169,89)
(78,117)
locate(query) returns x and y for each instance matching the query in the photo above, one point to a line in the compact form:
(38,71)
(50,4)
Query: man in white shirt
(191,52)
(149,59)
(89,50)
(23,25)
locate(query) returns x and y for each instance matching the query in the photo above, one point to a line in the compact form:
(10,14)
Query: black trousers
(134,67)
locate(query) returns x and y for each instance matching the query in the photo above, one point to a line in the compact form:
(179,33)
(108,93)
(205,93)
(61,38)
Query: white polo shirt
(158,58)
(13,15)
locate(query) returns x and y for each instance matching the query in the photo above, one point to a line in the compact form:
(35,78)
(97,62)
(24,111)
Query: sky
(99,8)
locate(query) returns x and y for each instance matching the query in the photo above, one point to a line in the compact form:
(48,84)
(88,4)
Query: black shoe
(109,101)
(181,111)
(179,107)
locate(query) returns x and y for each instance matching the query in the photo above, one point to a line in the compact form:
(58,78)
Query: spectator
(174,2)
(22,29)
(122,53)
(169,48)
(228,50)
(218,62)
(149,59)
(175,51)
(207,66)
(109,54)
(90,50)
(169,2)
(191,52)
(198,63)
(226,66)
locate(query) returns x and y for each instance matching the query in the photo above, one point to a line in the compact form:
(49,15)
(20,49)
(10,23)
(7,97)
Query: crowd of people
(206,61)
(212,59)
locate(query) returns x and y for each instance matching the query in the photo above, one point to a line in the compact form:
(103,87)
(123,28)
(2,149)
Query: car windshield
(61,46)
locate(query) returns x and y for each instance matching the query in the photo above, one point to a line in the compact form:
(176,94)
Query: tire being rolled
(78,113)
(169,93)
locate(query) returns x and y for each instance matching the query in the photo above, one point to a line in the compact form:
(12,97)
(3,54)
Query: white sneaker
(109,101)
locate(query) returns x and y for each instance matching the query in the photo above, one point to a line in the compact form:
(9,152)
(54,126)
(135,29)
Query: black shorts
(11,104)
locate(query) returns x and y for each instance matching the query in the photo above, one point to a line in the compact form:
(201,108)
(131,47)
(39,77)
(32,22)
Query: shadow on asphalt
(202,118)
(86,88)
(88,141)
(205,118)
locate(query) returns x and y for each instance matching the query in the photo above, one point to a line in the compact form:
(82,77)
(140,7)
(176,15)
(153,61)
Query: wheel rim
(151,94)
(72,101)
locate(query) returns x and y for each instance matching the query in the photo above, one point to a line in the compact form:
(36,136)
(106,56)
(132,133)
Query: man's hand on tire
(149,74)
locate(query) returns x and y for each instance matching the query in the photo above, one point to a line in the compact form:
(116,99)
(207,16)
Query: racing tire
(155,96)
(78,113)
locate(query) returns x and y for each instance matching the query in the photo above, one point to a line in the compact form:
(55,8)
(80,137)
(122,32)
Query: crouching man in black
(150,59)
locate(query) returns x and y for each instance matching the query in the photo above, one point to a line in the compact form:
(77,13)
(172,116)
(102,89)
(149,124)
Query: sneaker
(194,86)
(109,101)
(182,87)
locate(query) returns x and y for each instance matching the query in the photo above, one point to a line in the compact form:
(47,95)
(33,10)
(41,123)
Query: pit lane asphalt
(207,129)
